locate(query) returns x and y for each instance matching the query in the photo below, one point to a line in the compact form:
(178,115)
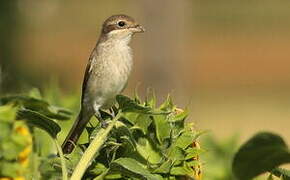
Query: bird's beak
(138,29)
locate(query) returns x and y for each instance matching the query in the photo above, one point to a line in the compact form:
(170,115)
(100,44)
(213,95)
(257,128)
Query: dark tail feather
(75,133)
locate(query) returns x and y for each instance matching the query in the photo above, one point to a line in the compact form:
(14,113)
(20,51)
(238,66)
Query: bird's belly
(114,85)
(110,77)
(111,83)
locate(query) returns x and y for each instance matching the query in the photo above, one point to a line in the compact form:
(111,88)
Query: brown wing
(87,74)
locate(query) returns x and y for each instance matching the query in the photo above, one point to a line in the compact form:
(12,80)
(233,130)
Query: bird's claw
(104,124)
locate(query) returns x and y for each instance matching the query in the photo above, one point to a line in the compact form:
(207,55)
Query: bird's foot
(104,124)
(112,111)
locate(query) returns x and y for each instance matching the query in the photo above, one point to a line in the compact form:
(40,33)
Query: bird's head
(120,27)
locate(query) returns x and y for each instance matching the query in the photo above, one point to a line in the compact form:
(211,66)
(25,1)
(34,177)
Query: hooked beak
(138,29)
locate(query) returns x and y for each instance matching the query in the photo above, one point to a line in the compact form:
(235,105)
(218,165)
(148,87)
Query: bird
(106,74)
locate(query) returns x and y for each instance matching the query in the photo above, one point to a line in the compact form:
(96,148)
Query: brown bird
(106,74)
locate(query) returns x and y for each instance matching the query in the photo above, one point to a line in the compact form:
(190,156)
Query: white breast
(112,67)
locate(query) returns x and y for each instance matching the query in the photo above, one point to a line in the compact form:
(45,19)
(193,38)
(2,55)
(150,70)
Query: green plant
(15,146)
(218,157)
(262,153)
(34,111)
(142,141)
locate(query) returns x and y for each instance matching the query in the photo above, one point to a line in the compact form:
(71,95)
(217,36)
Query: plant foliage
(264,152)
(146,142)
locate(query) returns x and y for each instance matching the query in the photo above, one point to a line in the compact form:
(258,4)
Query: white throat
(122,36)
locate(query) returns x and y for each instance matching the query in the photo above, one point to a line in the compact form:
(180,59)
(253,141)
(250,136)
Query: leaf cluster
(15,146)
(147,142)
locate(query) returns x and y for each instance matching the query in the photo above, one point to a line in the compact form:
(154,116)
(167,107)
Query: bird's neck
(114,44)
(116,37)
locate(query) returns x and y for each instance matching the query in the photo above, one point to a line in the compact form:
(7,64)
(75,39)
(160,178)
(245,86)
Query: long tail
(75,132)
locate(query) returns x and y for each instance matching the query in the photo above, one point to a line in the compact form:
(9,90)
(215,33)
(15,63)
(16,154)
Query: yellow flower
(197,169)
(5,178)
(25,153)
(23,157)
(19,178)
(23,130)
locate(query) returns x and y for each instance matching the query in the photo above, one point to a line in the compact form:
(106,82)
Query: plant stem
(93,148)
(62,160)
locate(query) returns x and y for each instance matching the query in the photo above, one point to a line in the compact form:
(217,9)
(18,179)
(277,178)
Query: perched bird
(107,72)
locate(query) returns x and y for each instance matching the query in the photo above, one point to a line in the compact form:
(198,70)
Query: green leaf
(143,121)
(7,113)
(35,93)
(192,152)
(129,105)
(260,154)
(36,119)
(131,117)
(37,105)
(5,129)
(145,149)
(280,172)
(112,176)
(162,127)
(167,104)
(132,168)
(270,177)
(185,139)
(98,169)
(49,167)
(179,117)
(164,168)
(10,169)
(180,171)
(150,98)
(10,150)
(176,153)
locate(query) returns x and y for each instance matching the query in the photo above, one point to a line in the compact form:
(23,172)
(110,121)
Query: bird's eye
(121,23)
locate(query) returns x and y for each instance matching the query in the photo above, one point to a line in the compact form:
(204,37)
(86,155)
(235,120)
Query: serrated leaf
(150,98)
(124,133)
(143,121)
(129,105)
(260,154)
(192,152)
(280,172)
(37,105)
(36,119)
(132,168)
(164,168)
(131,117)
(180,171)
(185,139)
(98,169)
(162,127)
(167,105)
(145,149)
(179,117)
(176,153)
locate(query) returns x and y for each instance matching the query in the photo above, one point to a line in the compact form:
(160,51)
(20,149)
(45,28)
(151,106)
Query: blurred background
(228,61)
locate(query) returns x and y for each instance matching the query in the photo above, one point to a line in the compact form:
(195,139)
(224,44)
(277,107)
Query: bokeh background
(228,61)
